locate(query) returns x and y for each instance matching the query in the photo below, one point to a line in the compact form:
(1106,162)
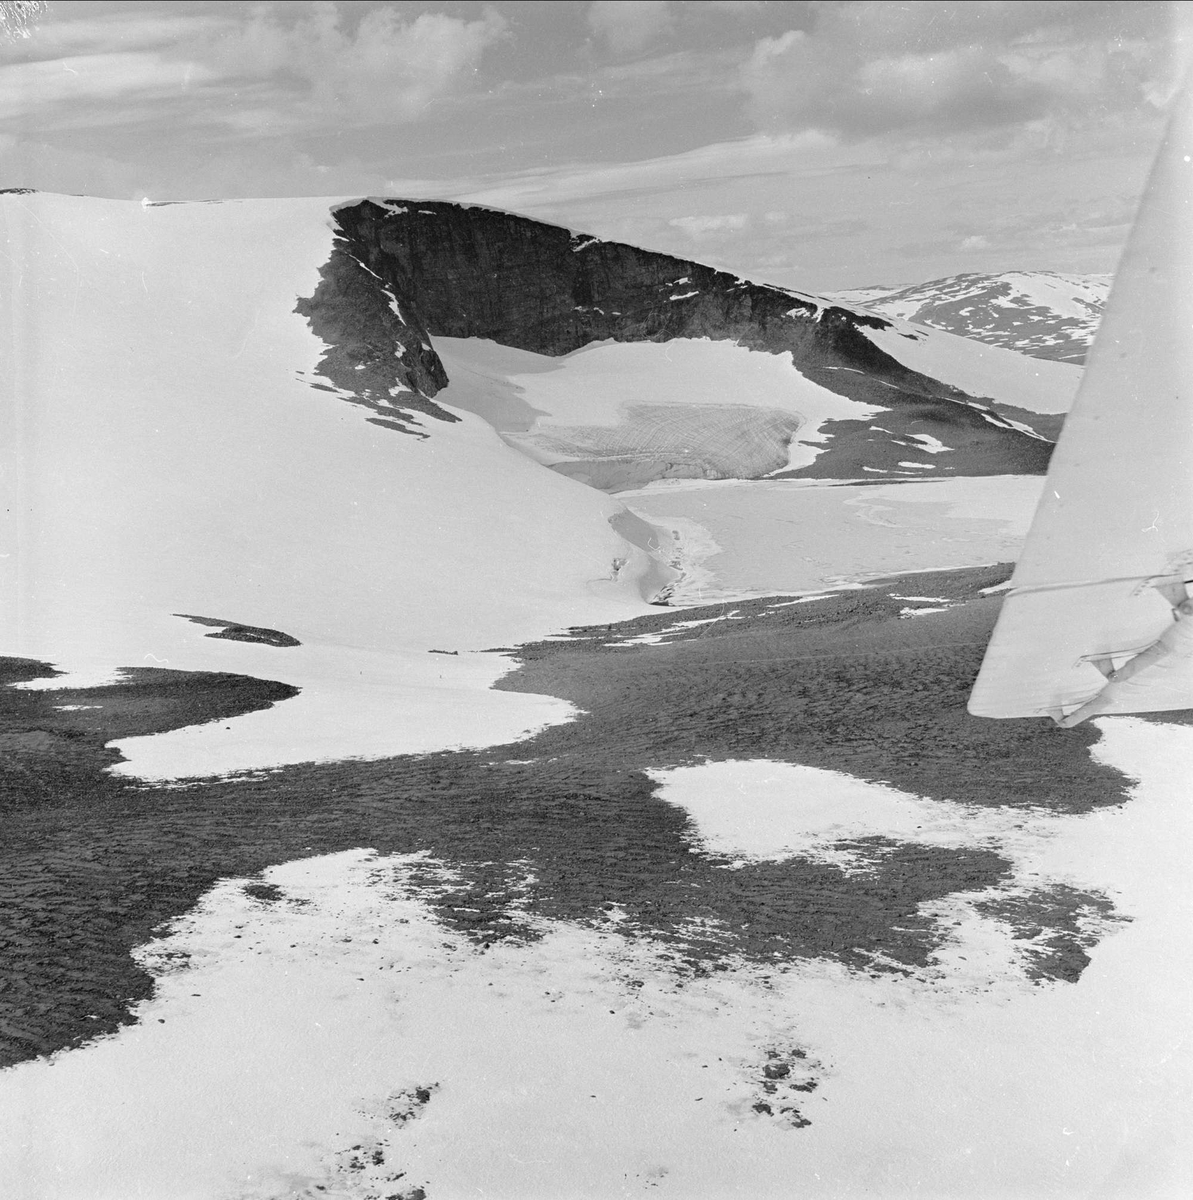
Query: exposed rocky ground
(565,824)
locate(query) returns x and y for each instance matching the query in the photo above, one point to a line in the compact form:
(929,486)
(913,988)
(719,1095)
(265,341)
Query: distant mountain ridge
(1042,314)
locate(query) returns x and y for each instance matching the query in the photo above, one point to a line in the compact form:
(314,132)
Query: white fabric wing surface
(1115,523)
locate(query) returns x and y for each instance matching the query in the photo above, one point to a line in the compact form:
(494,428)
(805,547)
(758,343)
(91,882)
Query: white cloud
(628,25)
(699,228)
(263,70)
(26,88)
(111,31)
(390,67)
(719,162)
(871,68)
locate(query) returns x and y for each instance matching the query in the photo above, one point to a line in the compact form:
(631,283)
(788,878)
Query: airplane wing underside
(1115,646)
(1098,619)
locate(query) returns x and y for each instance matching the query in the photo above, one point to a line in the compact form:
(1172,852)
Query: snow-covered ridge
(1044,314)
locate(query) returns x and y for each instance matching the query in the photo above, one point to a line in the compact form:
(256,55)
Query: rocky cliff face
(403,272)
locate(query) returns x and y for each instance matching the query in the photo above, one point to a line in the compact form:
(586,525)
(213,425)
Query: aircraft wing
(1101,578)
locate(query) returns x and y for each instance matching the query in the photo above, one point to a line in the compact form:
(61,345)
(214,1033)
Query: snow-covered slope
(331,421)
(616,414)
(1040,313)
(1039,388)
(173,458)
(345,438)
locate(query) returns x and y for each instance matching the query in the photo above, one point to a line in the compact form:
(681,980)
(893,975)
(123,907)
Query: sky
(818,145)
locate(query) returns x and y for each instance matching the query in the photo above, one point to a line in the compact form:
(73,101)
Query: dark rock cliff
(403,272)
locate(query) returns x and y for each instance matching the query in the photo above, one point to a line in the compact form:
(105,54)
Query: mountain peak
(1043,314)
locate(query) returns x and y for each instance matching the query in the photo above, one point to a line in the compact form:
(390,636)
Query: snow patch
(771,811)
(662,636)
(604,384)
(929,444)
(981,371)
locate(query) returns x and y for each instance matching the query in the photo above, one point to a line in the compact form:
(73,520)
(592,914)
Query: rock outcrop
(403,272)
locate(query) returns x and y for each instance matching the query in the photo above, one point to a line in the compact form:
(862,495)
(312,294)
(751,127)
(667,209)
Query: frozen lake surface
(755,538)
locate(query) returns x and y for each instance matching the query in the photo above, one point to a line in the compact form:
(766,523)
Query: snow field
(983,371)
(331,1038)
(1074,296)
(334,1035)
(1078,297)
(261,500)
(568,399)
(175,460)
(737,538)
(970,1083)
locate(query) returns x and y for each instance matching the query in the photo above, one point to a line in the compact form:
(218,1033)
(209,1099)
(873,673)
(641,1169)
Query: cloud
(715,164)
(699,228)
(267,69)
(93,77)
(872,68)
(389,68)
(628,25)
(104,32)
(1094,228)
